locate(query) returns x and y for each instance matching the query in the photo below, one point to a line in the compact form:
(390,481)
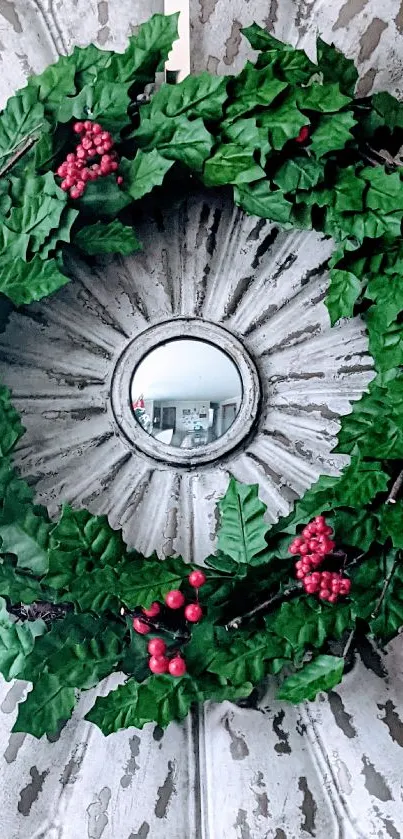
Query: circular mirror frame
(162,333)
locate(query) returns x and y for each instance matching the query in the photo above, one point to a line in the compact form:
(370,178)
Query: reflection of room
(186,393)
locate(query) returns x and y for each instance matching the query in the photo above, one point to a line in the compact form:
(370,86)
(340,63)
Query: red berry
(62,170)
(71,158)
(70,181)
(100,149)
(316,559)
(293,549)
(97,140)
(96,128)
(114,165)
(313,545)
(88,125)
(316,577)
(320,520)
(298,541)
(81,153)
(156,646)
(333,597)
(108,145)
(310,588)
(105,135)
(304,550)
(193,612)
(330,545)
(139,625)
(177,666)
(86,142)
(80,185)
(75,193)
(96,167)
(92,176)
(119,180)
(65,186)
(174,599)
(326,576)
(345,585)
(152,611)
(300,574)
(299,564)
(197,579)
(85,175)
(78,127)
(158,664)
(325,593)
(303,135)
(92,151)
(309,530)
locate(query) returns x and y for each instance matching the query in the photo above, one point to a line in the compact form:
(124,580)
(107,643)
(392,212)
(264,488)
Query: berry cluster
(303,135)
(76,170)
(312,546)
(157,648)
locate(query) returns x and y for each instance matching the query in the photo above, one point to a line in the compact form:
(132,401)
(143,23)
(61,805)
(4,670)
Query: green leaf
(104,198)
(292,65)
(176,138)
(87,536)
(11,428)
(389,109)
(305,622)
(244,132)
(260,39)
(47,705)
(261,200)
(316,500)
(16,642)
(147,170)
(29,225)
(298,173)
(104,101)
(349,191)
(360,483)
(332,133)
(385,337)
(251,89)
(113,237)
(355,527)
(326,98)
(388,618)
(244,659)
(22,116)
(196,96)
(321,674)
(374,425)
(231,164)
(54,84)
(146,53)
(61,234)
(387,291)
(161,699)
(282,122)
(141,581)
(335,67)
(385,190)
(24,531)
(391,523)
(18,586)
(89,63)
(343,292)
(95,590)
(24,282)
(242,531)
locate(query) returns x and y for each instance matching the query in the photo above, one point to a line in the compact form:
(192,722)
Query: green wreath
(298,149)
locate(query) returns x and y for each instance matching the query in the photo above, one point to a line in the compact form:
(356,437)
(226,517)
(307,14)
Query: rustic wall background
(333,768)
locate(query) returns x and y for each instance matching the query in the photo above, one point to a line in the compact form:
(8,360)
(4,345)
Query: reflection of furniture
(197,438)
(165,436)
(228,416)
(168,418)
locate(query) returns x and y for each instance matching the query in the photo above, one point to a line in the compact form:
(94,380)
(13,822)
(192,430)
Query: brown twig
(392,497)
(386,585)
(24,148)
(156,625)
(263,607)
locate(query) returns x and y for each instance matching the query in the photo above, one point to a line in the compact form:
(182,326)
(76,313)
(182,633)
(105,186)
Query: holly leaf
(112,237)
(332,132)
(18,586)
(176,138)
(146,53)
(22,116)
(321,674)
(298,173)
(244,132)
(231,164)
(11,428)
(374,425)
(147,170)
(242,530)
(355,527)
(61,234)
(283,122)
(305,622)
(244,659)
(24,282)
(388,618)
(335,67)
(385,190)
(326,98)
(55,84)
(260,39)
(141,581)
(94,589)
(359,483)
(160,699)
(196,96)
(16,642)
(385,337)
(104,199)
(388,109)
(261,200)
(78,531)
(387,291)
(343,292)
(89,63)
(104,101)
(391,523)
(253,88)
(29,225)
(24,531)
(47,705)
(292,65)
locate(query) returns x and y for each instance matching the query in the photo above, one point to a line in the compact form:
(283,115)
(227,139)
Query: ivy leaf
(47,705)
(24,282)
(196,96)
(283,122)
(104,199)
(55,84)
(147,170)
(321,674)
(176,138)
(231,164)
(23,115)
(332,133)
(16,642)
(355,527)
(242,531)
(261,200)
(335,67)
(104,101)
(160,699)
(251,89)
(11,428)
(244,660)
(146,53)
(391,519)
(360,483)
(298,173)
(326,98)
(141,581)
(113,237)
(29,225)
(343,292)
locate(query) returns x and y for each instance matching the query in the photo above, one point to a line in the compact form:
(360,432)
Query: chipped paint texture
(331,768)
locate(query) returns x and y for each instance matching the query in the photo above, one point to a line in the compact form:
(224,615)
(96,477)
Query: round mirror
(186,393)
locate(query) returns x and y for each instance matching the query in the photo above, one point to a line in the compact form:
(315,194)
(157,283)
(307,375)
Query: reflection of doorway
(228,416)
(168,418)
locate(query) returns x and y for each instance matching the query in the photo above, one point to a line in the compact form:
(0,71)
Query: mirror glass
(186,393)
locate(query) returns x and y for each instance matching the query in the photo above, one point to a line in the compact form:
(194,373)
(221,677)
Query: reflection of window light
(210,417)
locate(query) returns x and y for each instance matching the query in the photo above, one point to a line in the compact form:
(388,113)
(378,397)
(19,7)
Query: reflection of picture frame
(185,412)
(203,416)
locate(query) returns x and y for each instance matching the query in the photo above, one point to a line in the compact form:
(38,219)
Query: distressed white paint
(231,773)
(179,58)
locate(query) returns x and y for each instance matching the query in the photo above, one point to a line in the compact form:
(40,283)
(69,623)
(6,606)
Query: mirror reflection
(186,393)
